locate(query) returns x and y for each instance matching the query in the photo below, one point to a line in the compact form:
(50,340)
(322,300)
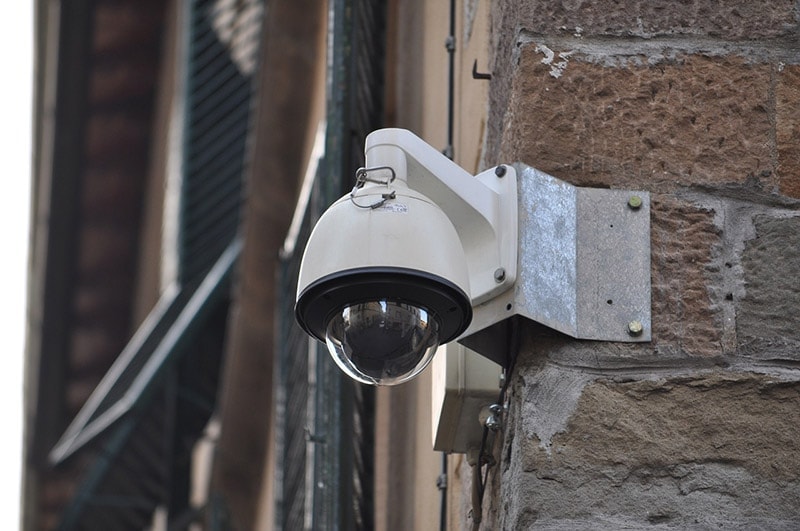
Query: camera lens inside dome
(382,342)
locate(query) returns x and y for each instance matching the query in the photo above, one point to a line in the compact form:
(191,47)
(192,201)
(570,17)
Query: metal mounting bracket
(583,265)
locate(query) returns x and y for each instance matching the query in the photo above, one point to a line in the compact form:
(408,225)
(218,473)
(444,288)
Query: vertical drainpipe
(450,45)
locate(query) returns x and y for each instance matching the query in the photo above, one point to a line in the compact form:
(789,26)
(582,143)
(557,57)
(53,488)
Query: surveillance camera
(385,277)
(384,286)
(421,252)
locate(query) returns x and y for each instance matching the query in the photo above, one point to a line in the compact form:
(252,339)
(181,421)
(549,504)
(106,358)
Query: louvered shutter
(219,89)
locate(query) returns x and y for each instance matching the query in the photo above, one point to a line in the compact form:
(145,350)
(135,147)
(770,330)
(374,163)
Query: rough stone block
(788,129)
(690,120)
(707,450)
(736,19)
(685,241)
(767,322)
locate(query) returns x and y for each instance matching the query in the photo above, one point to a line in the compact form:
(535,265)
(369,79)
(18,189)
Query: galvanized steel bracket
(583,265)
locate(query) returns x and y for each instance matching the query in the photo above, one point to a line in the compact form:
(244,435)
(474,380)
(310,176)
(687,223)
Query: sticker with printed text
(397,208)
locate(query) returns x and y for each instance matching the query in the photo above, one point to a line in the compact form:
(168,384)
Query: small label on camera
(398,208)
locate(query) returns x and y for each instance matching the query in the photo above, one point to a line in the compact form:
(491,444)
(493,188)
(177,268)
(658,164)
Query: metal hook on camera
(362,177)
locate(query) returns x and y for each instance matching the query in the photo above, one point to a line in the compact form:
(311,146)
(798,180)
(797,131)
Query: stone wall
(697,102)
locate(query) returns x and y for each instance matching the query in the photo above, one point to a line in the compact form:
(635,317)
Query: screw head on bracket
(500,171)
(635,328)
(635,202)
(499,274)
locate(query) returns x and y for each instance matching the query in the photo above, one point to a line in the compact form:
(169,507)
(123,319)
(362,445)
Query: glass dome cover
(382,342)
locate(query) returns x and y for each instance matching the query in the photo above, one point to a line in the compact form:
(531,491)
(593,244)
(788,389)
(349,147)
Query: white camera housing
(421,253)
(417,231)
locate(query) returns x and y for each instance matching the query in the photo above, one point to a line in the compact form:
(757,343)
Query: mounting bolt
(635,202)
(635,328)
(499,274)
(494,421)
(500,171)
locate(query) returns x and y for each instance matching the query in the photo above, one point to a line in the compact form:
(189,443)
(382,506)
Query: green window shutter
(219,93)
(135,431)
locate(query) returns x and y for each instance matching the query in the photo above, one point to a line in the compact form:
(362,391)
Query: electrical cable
(478,482)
